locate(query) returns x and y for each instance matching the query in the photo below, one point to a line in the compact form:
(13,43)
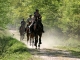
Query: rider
(29,23)
(22,25)
(29,20)
(38,17)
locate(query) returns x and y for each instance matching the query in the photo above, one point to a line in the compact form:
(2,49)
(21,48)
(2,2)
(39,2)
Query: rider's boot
(42,30)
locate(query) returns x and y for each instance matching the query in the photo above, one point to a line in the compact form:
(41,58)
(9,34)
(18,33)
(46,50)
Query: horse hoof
(39,48)
(38,45)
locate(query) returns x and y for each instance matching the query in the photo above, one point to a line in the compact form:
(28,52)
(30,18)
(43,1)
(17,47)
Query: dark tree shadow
(55,53)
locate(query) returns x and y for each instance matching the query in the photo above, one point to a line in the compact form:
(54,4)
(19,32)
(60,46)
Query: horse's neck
(30,23)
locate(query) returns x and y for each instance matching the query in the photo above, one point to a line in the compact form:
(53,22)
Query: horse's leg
(20,38)
(32,37)
(39,40)
(33,42)
(23,35)
(36,41)
(30,40)
(27,37)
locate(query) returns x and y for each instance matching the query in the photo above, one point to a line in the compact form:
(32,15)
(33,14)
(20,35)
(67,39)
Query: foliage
(61,14)
(4,9)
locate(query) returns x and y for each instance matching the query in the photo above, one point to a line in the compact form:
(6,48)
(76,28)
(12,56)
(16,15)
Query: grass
(12,49)
(72,45)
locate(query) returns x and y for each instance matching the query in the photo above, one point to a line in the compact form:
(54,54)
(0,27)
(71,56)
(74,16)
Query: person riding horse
(22,29)
(23,23)
(38,18)
(38,28)
(35,27)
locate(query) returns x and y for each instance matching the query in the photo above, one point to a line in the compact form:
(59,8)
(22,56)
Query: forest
(61,15)
(60,18)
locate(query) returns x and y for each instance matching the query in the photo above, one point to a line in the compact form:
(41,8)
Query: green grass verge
(12,49)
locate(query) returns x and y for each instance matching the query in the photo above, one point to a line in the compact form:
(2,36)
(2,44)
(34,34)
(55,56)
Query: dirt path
(46,52)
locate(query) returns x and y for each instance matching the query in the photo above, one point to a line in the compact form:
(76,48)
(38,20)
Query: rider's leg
(42,27)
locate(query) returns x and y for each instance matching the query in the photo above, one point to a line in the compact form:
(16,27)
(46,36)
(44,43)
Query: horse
(38,34)
(30,36)
(22,32)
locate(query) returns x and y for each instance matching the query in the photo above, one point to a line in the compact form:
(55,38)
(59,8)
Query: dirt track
(46,52)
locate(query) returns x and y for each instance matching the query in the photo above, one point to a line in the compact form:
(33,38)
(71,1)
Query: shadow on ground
(52,53)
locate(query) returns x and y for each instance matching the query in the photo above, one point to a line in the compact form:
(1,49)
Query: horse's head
(37,26)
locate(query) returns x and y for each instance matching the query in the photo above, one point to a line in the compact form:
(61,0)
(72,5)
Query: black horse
(38,33)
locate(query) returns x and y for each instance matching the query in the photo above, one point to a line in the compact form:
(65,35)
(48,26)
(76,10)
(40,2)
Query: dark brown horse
(38,34)
(30,36)
(22,32)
